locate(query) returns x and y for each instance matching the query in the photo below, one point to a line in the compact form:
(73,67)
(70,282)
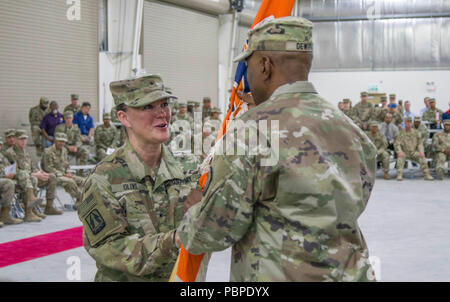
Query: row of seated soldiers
(27,177)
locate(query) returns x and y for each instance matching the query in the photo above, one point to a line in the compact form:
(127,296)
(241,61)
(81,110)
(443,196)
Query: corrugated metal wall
(181,45)
(42,53)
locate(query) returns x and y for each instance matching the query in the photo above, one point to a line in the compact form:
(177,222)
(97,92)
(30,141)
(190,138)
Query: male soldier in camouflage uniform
(392,100)
(105,137)
(433,114)
(381,143)
(29,177)
(73,106)
(350,112)
(380,112)
(397,118)
(190,109)
(206,109)
(7,188)
(35,117)
(10,140)
(74,145)
(423,130)
(364,110)
(294,219)
(135,198)
(55,161)
(408,145)
(441,145)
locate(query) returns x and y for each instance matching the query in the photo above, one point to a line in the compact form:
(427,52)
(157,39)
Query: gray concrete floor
(406,226)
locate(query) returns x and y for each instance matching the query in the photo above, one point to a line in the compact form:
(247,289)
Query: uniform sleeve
(107,238)
(97,140)
(226,210)
(419,140)
(437,146)
(398,144)
(78,142)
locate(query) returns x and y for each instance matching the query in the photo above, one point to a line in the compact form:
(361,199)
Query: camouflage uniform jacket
(408,141)
(212,125)
(73,134)
(36,114)
(206,112)
(397,118)
(4,162)
(430,115)
(22,159)
(423,130)
(55,161)
(379,140)
(5,148)
(130,214)
(105,137)
(380,113)
(441,141)
(297,219)
(71,108)
(352,115)
(365,112)
(178,117)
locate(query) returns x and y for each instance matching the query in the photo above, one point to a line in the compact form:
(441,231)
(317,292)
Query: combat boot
(38,213)
(428,176)
(6,218)
(30,201)
(399,175)
(386,175)
(440,174)
(50,210)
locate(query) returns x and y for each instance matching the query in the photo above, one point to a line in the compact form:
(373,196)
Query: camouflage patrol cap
(207,99)
(43,100)
(138,92)
(373,123)
(20,134)
(215,109)
(182,105)
(10,132)
(433,100)
(346,101)
(392,95)
(168,90)
(281,34)
(383,99)
(408,119)
(190,103)
(363,93)
(106,116)
(68,114)
(446,122)
(417,118)
(61,136)
(74,96)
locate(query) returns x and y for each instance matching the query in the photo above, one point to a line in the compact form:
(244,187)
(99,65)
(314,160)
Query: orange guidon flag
(188,266)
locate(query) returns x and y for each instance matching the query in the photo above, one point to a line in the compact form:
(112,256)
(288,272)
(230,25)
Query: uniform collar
(296,87)
(167,168)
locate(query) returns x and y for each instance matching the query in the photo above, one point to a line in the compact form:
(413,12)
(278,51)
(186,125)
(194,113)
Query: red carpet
(39,246)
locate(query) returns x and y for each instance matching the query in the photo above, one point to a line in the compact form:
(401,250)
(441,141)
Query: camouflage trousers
(383,156)
(71,185)
(440,160)
(414,156)
(7,187)
(100,153)
(82,155)
(25,181)
(37,138)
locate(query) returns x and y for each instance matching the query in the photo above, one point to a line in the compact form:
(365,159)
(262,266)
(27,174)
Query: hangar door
(43,53)
(181,46)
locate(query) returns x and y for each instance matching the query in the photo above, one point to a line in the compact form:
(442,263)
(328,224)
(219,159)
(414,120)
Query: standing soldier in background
(10,140)
(381,143)
(350,112)
(73,106)
(29,178)
(74,145)
(7,188)
(381,111)
(441,145)
(105,137)
(190,109)
(206,109)
(433,114)
(55,161)
(364,110)
(294,219)
(35,116)
(408,145)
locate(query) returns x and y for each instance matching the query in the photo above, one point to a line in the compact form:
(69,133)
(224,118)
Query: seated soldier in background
(56,161)
(105,137)
(380,141)
(423,130)
(10,140)
(389,130)
(347,110)
(7,187)
(433,115)
(397,118)
(74,107)
(408,145)
(74,145)
(441,145)
(380,112)
(35,117)
(29,178)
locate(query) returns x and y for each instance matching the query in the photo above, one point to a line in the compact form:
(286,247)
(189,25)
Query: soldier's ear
(123,118)
(266,67)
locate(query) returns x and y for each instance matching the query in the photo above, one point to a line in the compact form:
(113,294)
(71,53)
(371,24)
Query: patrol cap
(43,100)
(168,90)
(373,123)
(392,105)
(61,136)
(106,116)
(68,114)
(346,101)
(190,103)
(74,96)
(10,132)
(207,99)
(196,103)
(182,105)
(408,119)
(364,93)
(433,100)
(417,118)
(384,99)
(392,95)
(446,122)
(281,34)
(21,134)
(138,92)
(215,109)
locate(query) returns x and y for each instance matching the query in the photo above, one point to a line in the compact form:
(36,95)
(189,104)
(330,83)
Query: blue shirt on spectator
(446,116)
(84,124)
